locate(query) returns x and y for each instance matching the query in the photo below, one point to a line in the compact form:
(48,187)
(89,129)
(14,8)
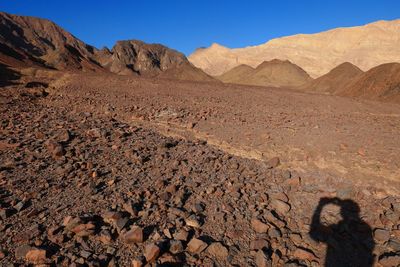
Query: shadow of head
(349,209)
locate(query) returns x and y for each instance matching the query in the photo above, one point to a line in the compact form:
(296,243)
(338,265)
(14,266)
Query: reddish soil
(101,170)
(310,133)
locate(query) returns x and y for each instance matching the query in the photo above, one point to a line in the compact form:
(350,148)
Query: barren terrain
(350,138)
(100,169)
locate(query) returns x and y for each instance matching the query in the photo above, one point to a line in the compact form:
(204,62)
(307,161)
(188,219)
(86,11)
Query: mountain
(35,42)
(236,74)
(276,73)
(335,80)
(139,58)
(379,83)
(364,46)
(40,42)
(186,72)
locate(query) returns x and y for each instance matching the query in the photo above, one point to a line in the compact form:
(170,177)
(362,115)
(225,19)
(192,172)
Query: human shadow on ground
(350,241)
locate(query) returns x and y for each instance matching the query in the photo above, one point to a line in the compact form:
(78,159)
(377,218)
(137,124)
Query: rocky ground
(90,176)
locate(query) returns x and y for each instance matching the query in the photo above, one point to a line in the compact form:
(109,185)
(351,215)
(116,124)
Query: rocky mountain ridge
(364,46)
(35,42)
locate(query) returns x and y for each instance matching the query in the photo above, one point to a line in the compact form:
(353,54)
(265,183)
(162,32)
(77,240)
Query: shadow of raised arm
(318,231)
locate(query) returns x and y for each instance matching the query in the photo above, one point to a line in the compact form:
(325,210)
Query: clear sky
(188,24)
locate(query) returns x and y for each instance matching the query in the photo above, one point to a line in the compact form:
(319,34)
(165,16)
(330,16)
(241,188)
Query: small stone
(392,216)
(156,236)
(4,213)
(95,174)
(134,235)
(2,254)
(259,244)
(218,250)
(274,233)
(274,162)
(137,263)
(20,252)
(193,222)
(168,259)
(259,226)
(94,133)
(175,246)
(151,252)
(198,207)
(182,235)
(19,206)
(81,261)
(303,254)
(70,222)
(167,233)
(110,250)
(85,254)
(381,235)
(63,136)
(86,229)
(394,245)
(54,148)
(121,222)
(105,237)
(128,207)
(36,256)
(390,261)
(116,219)
(281,207)
(262,260)
(196,246)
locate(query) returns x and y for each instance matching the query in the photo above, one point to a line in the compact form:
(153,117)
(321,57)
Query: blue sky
(188,24)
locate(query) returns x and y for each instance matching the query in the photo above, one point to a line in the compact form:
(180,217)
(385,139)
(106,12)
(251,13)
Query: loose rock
(134,235)
(151,252)
(196,246)
(217,250)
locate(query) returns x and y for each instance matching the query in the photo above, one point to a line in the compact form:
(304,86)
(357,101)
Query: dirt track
(90,163)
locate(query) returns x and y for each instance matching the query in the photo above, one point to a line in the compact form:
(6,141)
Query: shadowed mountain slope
(335,80)
(35,42)
(379,83)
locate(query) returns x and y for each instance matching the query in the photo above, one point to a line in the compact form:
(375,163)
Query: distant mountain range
(29,41)
(364,46)
(356,62)
(379,83)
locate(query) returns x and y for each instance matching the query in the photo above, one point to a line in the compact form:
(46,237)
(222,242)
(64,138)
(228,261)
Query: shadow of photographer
(350,241)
